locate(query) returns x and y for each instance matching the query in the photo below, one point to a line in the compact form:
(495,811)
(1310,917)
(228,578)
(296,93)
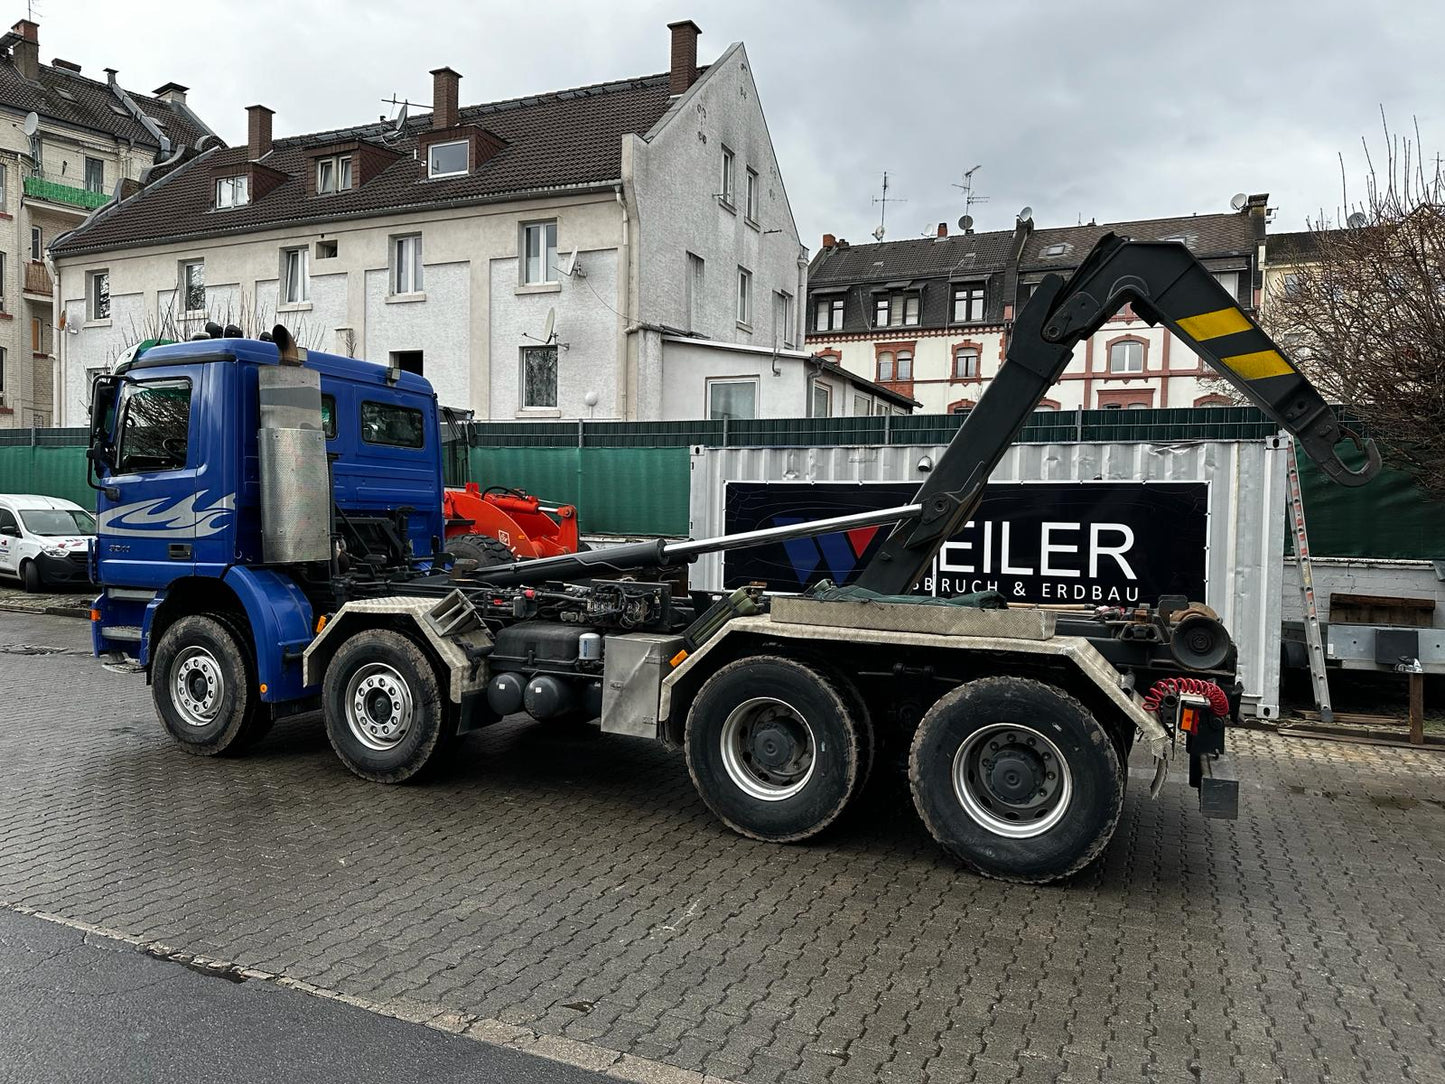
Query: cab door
(149,504)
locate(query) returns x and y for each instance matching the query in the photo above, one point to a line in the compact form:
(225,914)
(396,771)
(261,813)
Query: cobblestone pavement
(573,885)
(73,603)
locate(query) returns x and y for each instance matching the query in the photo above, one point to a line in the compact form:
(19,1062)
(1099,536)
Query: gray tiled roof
(70,98)
(561,139)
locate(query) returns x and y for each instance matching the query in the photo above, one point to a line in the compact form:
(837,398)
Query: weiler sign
(1097,543)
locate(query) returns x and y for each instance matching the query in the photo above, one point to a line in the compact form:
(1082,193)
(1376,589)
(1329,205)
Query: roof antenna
(885,200)
(969,199)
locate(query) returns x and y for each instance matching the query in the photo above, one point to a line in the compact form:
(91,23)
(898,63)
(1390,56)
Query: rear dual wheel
(777,748)
(1016,779)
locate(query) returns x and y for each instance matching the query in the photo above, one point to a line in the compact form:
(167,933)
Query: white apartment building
(624,250)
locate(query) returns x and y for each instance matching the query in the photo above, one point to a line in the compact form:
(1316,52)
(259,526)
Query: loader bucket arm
(1165,284)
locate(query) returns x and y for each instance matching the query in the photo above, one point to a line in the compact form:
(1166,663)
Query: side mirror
(9,531)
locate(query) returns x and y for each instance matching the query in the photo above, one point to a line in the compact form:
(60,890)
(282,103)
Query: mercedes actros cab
(271,540)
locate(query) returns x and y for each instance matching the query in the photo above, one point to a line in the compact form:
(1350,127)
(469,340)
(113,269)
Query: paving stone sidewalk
(574,885)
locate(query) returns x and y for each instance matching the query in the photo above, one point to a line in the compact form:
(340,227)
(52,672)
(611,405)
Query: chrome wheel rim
(768,749)
(379,706)
(197,687)
(1012,780)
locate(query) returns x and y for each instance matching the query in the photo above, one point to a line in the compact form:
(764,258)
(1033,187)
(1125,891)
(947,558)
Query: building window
(881,307)
(327,250)
(965,363)
(751,207)
(4,185)
(539,377)
(539,253)
(408,361)
(828,314)
(295,276)
(1056,249)
(968,303)
(233,191)
(37,243)
(37,335)
(745,297)
(1229,280)
(333,174)
(895,365)
(861,407)
(726,192)
(693,287)
(2,281)
(94,174)
(885,366)
(447,159)
(783,316)
(732,400)
(2,368)
(820,404)
(905,365)
(406,277)
(193,285)
(1126,356)
(1140,399)
(896,310)
(97,293)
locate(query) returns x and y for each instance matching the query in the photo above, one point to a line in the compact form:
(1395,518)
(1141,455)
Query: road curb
(50,611)
(573,1052)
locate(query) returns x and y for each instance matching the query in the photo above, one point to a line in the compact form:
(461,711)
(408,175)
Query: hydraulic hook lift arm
(1165,284)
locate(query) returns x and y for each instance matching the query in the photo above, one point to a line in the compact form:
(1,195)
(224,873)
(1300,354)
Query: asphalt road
(76,1007)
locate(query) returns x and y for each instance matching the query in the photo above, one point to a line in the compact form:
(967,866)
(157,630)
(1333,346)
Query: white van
(44,540)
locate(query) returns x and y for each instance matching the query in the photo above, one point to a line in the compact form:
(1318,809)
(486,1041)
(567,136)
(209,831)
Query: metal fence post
(1079,425)
(34,437)
(888,429)
(581,433)
(725,431)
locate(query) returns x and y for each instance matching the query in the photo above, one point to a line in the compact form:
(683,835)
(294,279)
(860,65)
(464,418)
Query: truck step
(122,632)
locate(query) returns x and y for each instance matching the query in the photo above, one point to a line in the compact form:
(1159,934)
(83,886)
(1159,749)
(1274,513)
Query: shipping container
(1242,537)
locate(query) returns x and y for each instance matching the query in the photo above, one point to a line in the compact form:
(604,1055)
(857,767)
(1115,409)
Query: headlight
(53,551)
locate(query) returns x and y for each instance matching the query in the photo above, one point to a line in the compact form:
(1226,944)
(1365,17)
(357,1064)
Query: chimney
(829,240)
(110,77)
(1257,208)
(66,65)
(171,93)
(683,73)
(27,50)
(258,131)
(444,85)
(943,229)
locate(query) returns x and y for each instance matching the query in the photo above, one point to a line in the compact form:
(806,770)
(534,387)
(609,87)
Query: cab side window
(155,427)
(7,523)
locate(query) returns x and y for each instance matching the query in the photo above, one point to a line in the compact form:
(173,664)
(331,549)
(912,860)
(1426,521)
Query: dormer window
(233,191)
(333,174)
(447,159)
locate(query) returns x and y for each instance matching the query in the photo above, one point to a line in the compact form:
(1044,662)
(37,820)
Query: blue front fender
(281,621)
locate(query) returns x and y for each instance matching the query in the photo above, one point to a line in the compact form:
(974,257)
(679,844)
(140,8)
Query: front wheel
(774,748)
(1016,779)
(386,714)
(204,688)
(30,577)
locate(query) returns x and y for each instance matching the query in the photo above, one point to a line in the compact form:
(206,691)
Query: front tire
(204,688)
(386,714)
(774,748)
(30,577)
(1016,779)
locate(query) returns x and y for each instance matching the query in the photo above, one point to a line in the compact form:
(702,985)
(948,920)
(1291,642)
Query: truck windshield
(57,521)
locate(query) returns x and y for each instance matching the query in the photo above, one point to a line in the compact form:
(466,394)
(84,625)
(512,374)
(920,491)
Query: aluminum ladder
(1314,642)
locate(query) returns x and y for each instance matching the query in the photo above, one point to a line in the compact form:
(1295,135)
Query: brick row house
(930,317)
(622,250)
(68,144)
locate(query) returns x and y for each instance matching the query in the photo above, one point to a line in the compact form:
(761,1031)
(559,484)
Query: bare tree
(174,321)
(1363,311)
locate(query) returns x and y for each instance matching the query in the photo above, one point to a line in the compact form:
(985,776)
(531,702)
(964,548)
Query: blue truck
(271,541)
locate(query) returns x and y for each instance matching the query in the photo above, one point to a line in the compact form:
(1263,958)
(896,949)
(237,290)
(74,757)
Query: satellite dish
(569,263)
(1356,220)
(1238,200)
(878,234)
(591,398)
(32,122)
(549,328)
(966,222)
(1026,215)
(400,119)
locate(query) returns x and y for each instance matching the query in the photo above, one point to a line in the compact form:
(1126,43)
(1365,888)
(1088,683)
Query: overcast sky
(1111,109)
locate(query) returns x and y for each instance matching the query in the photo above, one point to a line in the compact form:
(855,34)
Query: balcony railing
(37,279)
(55,192)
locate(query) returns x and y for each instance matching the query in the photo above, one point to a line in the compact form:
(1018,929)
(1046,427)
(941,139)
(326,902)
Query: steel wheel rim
(768,749)
(198,686)
(379,707)
(991,771)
